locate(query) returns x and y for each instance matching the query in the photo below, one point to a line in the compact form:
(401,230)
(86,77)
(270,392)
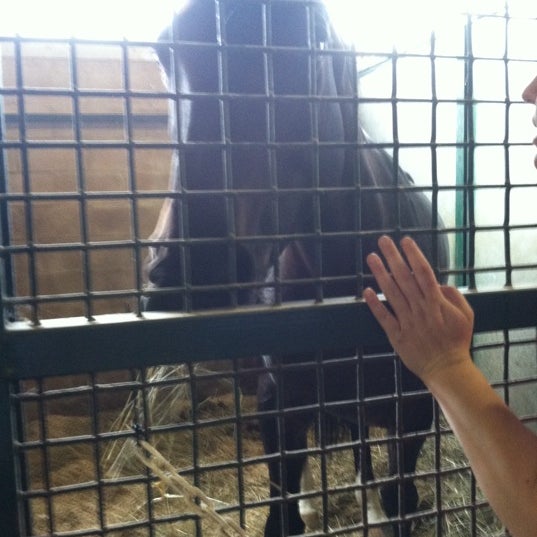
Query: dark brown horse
(278,195)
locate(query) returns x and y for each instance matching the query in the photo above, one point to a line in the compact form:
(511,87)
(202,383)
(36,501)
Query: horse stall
(184,349)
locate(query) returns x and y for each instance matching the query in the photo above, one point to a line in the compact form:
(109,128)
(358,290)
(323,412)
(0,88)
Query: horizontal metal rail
(70,346)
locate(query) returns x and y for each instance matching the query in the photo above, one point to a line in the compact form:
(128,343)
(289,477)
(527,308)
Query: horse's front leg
(283,436)
(307,507)
(403,500)
(364,475)
(392,501)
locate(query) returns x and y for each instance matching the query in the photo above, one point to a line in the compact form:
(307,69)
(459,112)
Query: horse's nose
(211,284)
(166,301)
(163,271)
(164,267)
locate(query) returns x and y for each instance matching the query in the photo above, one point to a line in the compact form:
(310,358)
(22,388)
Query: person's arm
(431,329)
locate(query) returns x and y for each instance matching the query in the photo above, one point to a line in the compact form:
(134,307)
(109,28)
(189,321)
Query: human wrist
(447,369)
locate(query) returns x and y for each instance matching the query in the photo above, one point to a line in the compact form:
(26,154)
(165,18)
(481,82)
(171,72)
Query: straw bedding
(117,496)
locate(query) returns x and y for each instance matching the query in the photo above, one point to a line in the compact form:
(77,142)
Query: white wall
(499,115)
(501,53)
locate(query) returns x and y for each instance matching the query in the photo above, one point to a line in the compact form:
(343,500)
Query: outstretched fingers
(405,283)
(387,284)
(423,274)
(387,321)
(404,288)
(392,292)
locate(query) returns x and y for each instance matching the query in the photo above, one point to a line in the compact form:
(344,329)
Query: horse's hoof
(375,512)
(311,519)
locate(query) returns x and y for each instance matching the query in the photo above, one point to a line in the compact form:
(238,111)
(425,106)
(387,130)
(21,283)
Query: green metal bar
(9,508)
(125,341)
(464,158)
(459,254)
(6,269)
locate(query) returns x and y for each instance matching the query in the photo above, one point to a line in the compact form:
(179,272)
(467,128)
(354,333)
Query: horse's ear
(323,28)
(195,22)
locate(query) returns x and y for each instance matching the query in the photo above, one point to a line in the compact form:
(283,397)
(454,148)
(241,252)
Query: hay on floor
(103,484)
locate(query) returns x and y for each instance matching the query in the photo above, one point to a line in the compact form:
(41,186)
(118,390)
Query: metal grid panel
(77,452)
(211,413)
(77,135)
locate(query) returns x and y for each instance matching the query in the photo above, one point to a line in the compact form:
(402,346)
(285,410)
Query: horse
(277,194)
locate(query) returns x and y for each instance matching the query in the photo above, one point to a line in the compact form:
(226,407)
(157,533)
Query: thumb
(457,299)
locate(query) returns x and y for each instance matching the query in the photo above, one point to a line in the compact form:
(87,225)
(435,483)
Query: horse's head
(256,128)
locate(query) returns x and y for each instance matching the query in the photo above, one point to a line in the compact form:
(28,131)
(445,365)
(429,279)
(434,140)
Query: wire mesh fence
(79,447)
(141,304)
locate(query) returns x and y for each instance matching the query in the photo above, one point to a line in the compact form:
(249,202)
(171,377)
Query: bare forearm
(430,327)
(501,451)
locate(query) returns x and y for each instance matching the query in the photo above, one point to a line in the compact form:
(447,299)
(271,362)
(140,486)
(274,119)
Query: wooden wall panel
(72,168)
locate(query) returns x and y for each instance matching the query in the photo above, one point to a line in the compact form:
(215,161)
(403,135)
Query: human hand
(431,325)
